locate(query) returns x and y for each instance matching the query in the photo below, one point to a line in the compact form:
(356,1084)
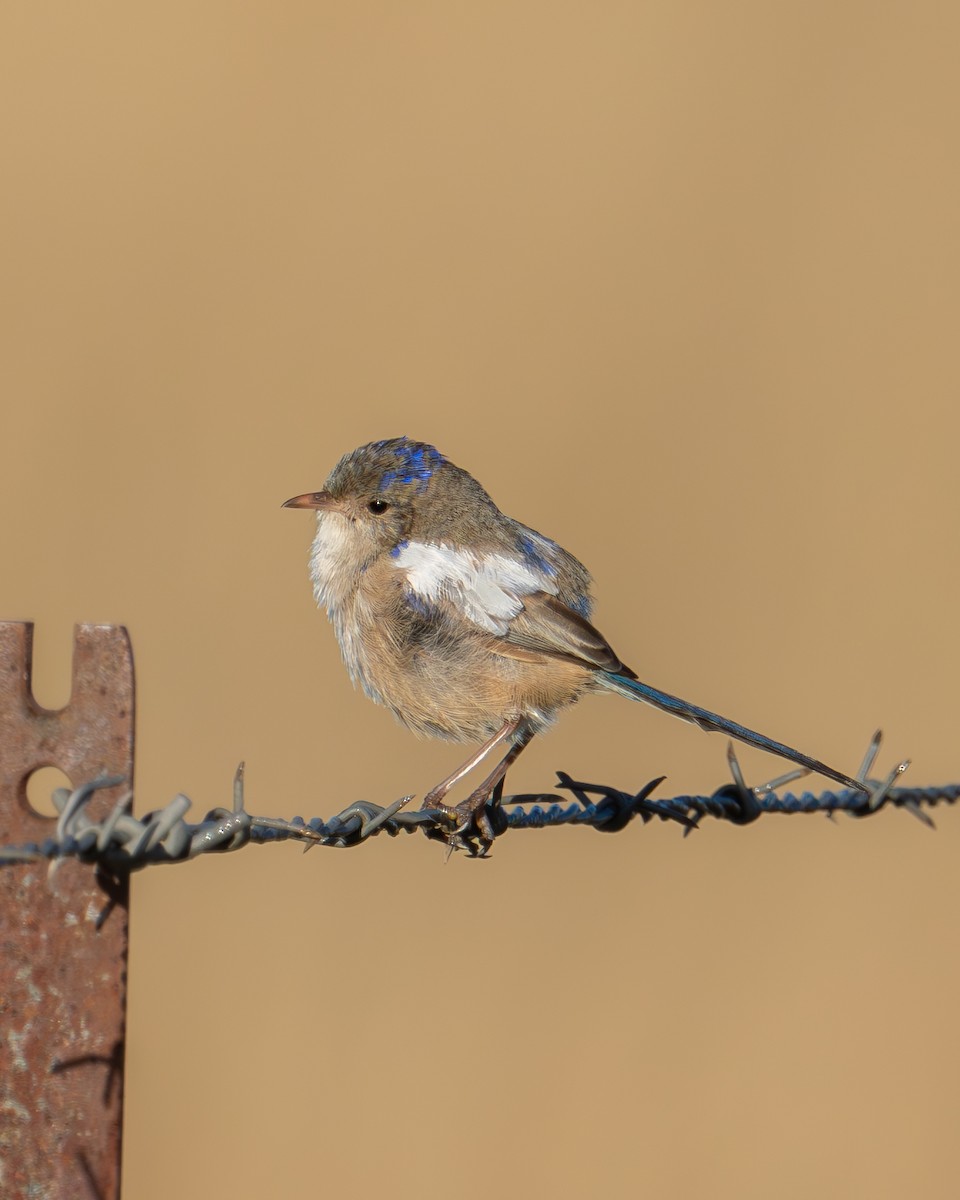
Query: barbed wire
(122,843)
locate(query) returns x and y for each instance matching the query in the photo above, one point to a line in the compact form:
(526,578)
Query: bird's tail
(633,689)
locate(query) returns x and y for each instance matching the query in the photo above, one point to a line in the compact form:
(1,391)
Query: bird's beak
(320,500)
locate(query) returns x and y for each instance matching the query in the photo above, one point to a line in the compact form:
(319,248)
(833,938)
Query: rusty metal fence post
(62,973)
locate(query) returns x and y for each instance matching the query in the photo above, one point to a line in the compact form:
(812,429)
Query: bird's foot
(473,824)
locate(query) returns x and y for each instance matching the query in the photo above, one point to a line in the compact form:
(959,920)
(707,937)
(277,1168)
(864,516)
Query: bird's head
(388,492)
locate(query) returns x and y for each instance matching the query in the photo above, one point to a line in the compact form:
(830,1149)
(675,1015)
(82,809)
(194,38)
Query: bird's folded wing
(514,603)
(546,626)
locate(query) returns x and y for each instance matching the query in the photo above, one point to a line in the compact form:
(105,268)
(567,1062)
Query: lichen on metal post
(62,978)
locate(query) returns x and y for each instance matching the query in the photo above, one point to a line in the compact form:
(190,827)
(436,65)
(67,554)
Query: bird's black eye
(378,506)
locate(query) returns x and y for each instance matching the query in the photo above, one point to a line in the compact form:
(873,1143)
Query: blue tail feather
(633,689)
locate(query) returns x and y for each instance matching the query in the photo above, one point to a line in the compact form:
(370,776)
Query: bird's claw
(472,825)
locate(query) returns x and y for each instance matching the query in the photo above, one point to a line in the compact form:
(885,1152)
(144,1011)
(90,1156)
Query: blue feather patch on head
(416,463)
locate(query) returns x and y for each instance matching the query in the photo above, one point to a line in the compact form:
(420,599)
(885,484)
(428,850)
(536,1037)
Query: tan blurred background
(680,284)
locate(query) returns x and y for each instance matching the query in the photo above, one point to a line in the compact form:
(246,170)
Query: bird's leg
(472,809)
(435,797)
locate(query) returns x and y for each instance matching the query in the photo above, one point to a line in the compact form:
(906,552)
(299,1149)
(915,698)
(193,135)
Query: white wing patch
(486,588)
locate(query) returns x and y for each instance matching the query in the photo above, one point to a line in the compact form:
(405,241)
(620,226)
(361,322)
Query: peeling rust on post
(62,982)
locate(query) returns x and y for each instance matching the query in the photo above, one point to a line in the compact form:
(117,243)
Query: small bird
(465,623)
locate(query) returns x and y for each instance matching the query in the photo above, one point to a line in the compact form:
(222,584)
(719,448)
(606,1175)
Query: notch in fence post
(62,980)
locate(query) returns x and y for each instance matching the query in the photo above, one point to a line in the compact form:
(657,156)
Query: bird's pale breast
(444,679)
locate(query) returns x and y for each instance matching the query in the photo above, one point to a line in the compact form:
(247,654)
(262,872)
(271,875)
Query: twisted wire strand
(121,843)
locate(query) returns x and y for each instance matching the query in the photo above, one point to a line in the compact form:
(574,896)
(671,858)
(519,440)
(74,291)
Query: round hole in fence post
(41,785)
